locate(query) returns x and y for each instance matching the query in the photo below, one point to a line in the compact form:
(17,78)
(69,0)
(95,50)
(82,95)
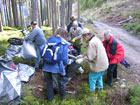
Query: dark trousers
(49,85)
(111,73)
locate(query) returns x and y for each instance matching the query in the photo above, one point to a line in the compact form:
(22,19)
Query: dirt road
(131,46)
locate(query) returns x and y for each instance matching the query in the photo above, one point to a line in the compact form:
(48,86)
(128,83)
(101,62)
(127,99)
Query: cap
(33,23)
(85,31)
(75,23)
(108,32)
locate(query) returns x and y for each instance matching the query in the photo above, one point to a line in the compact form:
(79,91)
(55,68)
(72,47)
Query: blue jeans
(49,85)
(38,52)
(111,73)
(95,77)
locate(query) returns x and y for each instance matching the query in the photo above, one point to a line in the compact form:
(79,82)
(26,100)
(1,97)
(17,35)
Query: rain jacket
(114,51)
(96,55)
(58,67)
(76,34)
(38,36)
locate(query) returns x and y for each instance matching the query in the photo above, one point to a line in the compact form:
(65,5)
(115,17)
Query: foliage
(82,97)
(108,10)
(134,93)
(133,26)
(91,3)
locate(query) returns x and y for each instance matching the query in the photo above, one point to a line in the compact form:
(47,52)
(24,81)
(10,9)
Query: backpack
(53,50)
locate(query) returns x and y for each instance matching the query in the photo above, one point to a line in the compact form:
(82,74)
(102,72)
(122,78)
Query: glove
(73,40)
(70,61)
(79,56)
(79,60)
(81,70)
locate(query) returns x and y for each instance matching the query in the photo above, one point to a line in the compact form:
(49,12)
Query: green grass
(134,95)
(133,27)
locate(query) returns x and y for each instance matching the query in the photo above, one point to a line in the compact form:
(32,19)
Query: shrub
(133,26)
(134,95)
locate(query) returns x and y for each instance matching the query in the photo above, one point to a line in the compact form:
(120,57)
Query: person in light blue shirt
(38,37)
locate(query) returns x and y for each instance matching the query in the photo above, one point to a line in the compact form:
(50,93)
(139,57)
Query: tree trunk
(69,10)
(1,27)
(55,14)
(79,10)
(62,14)
(21,13)
(49,9)
(9,13)
(2,14)
(41,12)
(5,12)
(53,19)
(15,13)
(34,5)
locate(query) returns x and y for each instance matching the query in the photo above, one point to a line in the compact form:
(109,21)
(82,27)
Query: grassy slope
(114,11)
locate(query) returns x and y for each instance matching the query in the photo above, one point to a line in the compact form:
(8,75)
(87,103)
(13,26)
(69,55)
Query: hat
(85,31)
(75,23)
(33,23)
(108,32)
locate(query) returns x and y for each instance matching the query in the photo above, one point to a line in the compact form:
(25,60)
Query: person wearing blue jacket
(37,35)
(72,18)
(57,70)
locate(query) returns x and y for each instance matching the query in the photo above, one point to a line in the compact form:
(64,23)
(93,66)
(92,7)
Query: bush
(133,26)
(91,3)
(134,95)
(98,3)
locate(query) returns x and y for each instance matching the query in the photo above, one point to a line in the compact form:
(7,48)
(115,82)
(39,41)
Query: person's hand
(79,60)
(70,61)
(73,40)
(79,56)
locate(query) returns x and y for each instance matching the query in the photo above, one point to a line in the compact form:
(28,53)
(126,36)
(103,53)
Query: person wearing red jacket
(115,53)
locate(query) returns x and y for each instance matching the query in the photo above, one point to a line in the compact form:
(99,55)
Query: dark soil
(38,81)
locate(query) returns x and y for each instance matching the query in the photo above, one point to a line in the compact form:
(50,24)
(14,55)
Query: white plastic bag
(28,50)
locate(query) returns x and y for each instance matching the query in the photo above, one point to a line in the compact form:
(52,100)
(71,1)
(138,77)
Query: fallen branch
(114,99)
(124,21)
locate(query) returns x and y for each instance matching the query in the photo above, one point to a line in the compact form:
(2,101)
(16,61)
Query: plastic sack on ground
(13,50)
(10,84)
(28,50)
(25,72)
(70,71)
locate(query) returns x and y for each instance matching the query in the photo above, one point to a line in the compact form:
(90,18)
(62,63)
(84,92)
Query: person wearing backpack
(37,35)
(54,62)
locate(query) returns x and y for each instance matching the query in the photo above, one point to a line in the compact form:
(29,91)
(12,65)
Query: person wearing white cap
(76,31)
(97,59)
